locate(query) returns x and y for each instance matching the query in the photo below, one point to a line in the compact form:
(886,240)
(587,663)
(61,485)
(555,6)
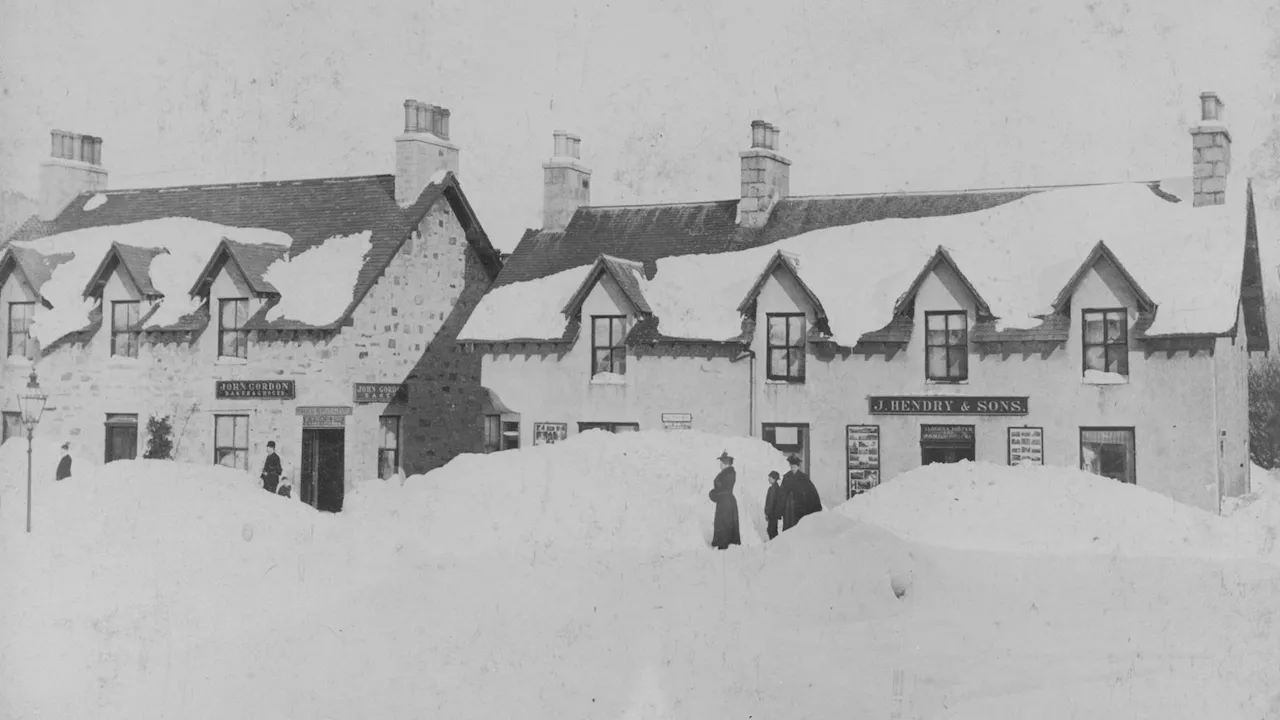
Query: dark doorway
(946,444)
(122,437)
(789,439)
(323,459)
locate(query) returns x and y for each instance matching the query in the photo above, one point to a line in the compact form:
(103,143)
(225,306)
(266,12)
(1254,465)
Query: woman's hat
(66,446)
(794,459)
(725,457)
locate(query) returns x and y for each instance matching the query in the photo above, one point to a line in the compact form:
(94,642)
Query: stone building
(320,314)
(1106,327)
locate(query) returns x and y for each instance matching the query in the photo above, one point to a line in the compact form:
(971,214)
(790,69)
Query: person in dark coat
(773,504)
(271,469)
(799,496)
(726,530)
(64,465)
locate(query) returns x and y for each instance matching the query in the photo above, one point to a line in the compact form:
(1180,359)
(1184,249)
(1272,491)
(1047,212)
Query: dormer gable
(31,268)
(944,267)
(248,264)
(625,275)
(1122,285)
(132,264)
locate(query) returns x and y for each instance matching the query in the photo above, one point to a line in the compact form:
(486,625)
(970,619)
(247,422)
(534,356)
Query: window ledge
(608,379)
(945,383)
(1104,383)
(222,360)
(783,382)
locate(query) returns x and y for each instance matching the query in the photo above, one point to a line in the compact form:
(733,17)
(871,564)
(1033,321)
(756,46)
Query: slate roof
(309,211)
(136,262)
(251,260)
(35,268)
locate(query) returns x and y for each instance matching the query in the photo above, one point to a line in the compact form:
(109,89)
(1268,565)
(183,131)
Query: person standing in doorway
(64,465)
(773,505)
(799,496)
(726,531)
(271,469)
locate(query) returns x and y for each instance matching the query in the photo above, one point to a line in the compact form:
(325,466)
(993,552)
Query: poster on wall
(863,448)
(677,421)
(547,433)
(1026,446)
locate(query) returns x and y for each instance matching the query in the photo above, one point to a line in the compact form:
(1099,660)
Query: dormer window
(608,353)
(125,332)
(785,343)
(233,338)
(1106,342)
(946,346)
(21,344)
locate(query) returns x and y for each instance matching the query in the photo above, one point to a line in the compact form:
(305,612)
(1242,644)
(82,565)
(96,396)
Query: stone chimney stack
(423,150)
(566,183)
(74,166)
(766,176)
(1210,153)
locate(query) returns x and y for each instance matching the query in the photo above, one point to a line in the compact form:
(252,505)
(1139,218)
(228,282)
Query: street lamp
(31,404)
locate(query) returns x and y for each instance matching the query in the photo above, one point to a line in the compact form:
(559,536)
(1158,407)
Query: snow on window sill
(223,360)
(771,381)
(1094,377)
(606,378)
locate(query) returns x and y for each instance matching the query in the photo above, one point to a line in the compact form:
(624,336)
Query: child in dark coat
(773,504)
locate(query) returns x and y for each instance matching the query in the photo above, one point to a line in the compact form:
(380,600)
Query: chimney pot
(1211,107)
(561,144)
(419,158)
(444,123)
(410,115)
(420,117)
(758,131)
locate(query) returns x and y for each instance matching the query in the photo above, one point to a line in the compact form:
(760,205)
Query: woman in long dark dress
(726,531)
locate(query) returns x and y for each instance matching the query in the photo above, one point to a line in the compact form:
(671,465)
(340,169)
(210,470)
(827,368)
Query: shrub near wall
(1264,411)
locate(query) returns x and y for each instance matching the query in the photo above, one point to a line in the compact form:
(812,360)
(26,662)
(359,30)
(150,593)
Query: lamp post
(31,404)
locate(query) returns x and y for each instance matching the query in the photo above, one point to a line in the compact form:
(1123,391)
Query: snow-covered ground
(574,581)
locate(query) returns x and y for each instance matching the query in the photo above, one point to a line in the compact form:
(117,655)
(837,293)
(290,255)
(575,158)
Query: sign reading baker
(279,389)
(948,405)
(380,392)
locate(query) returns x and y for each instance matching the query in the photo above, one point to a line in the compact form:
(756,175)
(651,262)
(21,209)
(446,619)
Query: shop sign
(312,410)
(946,434)
(232,389)
(380,392)
(677,421)
(862,445)
(549,433)
(931,405)
(1026,446)
(324,421)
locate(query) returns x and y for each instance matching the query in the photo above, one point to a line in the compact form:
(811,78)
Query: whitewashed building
(1106,327)
(319,313)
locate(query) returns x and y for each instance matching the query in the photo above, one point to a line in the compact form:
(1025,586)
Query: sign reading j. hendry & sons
(380,392)
(948,405)
(280,389)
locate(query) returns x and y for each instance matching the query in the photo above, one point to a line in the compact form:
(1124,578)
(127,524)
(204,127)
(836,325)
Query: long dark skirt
(726,531)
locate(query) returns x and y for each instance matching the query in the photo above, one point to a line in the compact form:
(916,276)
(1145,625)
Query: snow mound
(643,491)
(979,506)
(318,285)
(525,310)
(190,244)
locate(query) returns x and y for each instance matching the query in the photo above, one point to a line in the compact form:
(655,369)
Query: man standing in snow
(271,469)
(773,504)
(726,530)
(64,465)
(799,496)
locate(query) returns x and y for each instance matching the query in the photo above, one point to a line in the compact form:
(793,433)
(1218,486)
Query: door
(122,437)
(307,477)
(323,461)
(946,444)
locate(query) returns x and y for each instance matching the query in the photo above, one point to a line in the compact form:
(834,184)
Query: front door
(946,444)
(122,437)
(323,460)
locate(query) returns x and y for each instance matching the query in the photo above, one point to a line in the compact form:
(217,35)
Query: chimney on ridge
(566,183)
(74,166)
(1210,153)
(766,176)
(423,150)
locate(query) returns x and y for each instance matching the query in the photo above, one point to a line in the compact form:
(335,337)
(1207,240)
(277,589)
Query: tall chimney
(422,150)
(1210,153)
(74,166)
(566,182)
(766,176)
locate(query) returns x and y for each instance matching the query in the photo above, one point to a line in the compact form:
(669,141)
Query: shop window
(785,342)
(21,344)
(612,427)
(122,437)
(1106,341)
(124,328)
(231,441)
(946,346)
(500,434)
(233,339)
(12,427)
(789,439)
(388,446)
(608,354)
(1108,452)
(946,444)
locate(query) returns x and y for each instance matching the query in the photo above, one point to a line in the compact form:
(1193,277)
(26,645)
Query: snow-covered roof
(1016,255)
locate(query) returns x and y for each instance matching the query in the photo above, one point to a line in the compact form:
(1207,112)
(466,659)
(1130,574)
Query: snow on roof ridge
(244,184)
(649,205)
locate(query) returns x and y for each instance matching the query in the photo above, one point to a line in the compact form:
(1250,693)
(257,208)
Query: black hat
(66,446)
(773,474)
(271,443)
(726,457)
(794,459)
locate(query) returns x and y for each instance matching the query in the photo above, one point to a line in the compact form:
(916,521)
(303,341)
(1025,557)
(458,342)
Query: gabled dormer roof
(249,261)
(34,268)
(940,258)
(136,264)
(786,263)
(625,273)
(1102,253)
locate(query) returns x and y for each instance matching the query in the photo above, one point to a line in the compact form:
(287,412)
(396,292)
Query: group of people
(789,499)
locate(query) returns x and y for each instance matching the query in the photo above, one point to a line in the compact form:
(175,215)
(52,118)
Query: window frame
(610,427)
(492,433)
(947,347)
(5,417)
(1132,458)
(25,333)
(382,447)
(1107,346)
(617,350)
(217,449)
(240,335)
(787,375)
(134,335)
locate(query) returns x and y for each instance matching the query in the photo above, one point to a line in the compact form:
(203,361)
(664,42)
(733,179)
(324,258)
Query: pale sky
(871,96)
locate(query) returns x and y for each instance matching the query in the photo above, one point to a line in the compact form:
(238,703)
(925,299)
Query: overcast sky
(873,95)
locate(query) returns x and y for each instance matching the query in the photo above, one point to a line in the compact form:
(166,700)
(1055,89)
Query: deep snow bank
(593,492)
(980,506)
